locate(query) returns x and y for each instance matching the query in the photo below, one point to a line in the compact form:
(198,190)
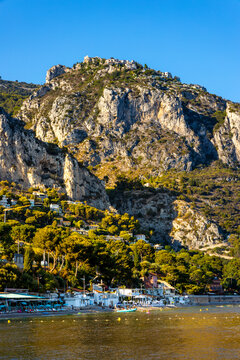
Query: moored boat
(126,310)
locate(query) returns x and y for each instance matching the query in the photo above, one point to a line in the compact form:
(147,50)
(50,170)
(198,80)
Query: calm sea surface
(191,333)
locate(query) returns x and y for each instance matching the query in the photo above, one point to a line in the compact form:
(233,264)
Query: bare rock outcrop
(31,162)
(55,71)
(192,229)
(172,221)
(227,137)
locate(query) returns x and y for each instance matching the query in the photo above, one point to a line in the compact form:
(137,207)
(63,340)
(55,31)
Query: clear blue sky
(198,40)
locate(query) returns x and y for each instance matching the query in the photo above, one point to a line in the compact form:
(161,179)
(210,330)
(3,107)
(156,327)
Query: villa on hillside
(4,202)
(140,237)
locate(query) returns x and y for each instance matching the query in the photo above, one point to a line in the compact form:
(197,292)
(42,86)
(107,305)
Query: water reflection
(170,334)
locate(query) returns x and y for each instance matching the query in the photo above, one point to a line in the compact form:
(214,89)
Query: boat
(126,310)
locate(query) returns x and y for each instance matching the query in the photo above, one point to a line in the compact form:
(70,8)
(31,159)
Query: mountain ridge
(102,108)
(126,121)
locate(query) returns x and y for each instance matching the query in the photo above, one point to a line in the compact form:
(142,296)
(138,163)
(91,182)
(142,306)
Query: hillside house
(18,260)
(4,202)
(39,195)
(56,208)
(140,237)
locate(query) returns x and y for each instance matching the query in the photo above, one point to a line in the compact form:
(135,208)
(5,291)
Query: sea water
(209,333)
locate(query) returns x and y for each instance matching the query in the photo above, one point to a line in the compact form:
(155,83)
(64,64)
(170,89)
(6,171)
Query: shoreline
(15,315)
(98,310)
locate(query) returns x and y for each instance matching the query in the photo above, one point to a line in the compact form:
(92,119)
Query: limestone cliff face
(192,229)
(227,137)
(110,109)
(55,71)
(31,162)
(172,221)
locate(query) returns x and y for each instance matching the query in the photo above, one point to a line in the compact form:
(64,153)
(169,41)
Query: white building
(40,195)
(158,247)
(4,202)
(81,231)
(167,289)
(140,237)
(78,299)
(55,208)
(106,299)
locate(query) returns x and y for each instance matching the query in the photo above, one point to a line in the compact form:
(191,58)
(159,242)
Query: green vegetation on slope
(72,255)
(12,95)
(214,190)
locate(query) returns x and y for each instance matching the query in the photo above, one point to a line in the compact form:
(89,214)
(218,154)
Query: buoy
(9,321)
(119,319)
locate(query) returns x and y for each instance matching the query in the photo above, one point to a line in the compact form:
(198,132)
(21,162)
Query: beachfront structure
(137,296)
(106,299)
(78,299)
(167,289)
(11,302)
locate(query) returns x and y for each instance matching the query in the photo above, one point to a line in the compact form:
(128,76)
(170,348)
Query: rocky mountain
(117,115)
(32,162)
(119,118)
